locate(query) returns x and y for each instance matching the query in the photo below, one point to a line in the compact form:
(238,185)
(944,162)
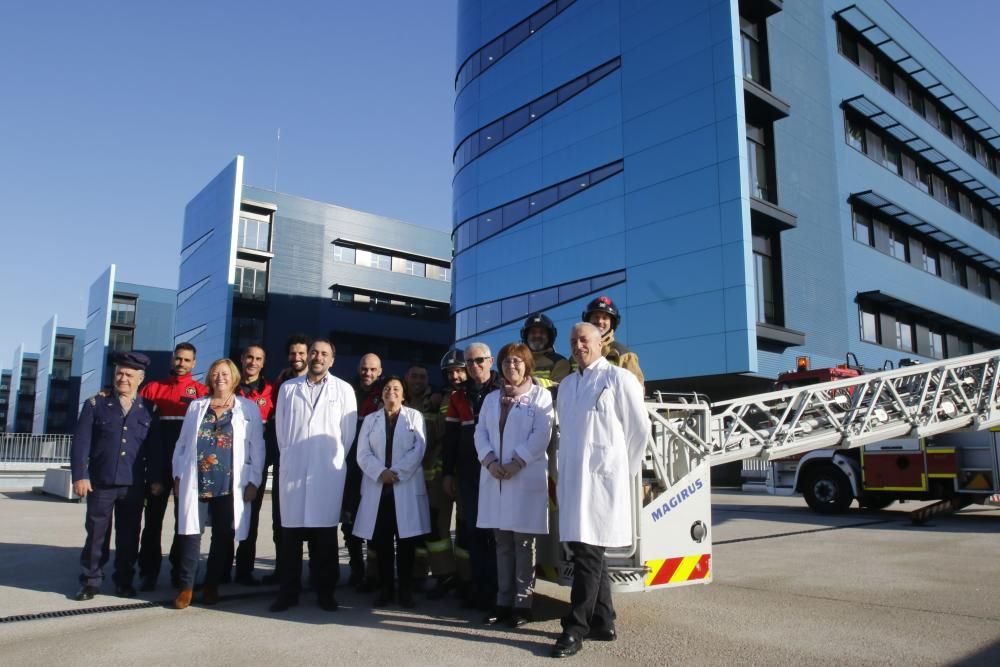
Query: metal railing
(29,448)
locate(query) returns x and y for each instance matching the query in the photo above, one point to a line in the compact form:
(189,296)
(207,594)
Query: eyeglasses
(513,361)
(479,361)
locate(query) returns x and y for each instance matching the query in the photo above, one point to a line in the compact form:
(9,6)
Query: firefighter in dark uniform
(116,452)
(368,396)
(603,314)
(255,388)
(172,397)
(539,334)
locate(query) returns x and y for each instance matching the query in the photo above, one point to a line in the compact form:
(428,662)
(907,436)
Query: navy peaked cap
(136,360)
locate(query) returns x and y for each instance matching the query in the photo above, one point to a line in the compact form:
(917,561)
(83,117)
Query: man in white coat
(315,423)
(604,428)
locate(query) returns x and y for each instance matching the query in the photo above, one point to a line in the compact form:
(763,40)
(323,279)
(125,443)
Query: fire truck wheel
(827,490)
(875,501)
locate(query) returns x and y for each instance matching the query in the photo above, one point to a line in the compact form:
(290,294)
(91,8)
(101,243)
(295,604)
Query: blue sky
(115,114)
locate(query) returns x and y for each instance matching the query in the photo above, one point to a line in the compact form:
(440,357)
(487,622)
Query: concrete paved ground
(791,588)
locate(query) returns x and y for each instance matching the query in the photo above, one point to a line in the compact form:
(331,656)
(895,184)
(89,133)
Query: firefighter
(171,397)
(368,396)
(539,334)
(603,314)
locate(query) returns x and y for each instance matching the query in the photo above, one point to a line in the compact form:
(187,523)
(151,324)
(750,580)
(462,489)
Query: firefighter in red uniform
(255,388)
(171,397)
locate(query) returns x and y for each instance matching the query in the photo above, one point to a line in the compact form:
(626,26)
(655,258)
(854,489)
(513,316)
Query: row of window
(63,348)
(903,162)
(123,311)
(121,340)
(909,334)
(767,278)
(879,67)
(389,303)
(486,316)
(760,163)
(386,262)
(486,138)
(906,245)
(481,227)
(253,234)
(754,49)
(488,55)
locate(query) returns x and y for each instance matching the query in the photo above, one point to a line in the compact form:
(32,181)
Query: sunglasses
(479,361)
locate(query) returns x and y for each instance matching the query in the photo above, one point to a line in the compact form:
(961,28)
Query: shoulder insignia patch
(190,391)
(93,401)
(261,401)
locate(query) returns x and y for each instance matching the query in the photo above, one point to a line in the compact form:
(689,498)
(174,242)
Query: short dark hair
(259,346)
(297,339)
(186,346)
(384,381)
(333,348)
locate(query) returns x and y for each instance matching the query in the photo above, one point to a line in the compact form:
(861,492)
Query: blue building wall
(97,331)
(208,252)
(17,367)
(45,351)
(677,219)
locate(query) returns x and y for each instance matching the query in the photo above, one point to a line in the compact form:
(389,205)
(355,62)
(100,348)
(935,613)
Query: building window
(407,266)
(767,279)
(120,340)
(254,234)
(870,327)
(899,246)
(63,348)
(863,231)
(754,53)
(890,158)
(374,260)
(936,345)
(251,282)
(855,134)
(931,259)
(343,253)
(123,311)
(759,164)
(61,369)
(904,336)
(435,272)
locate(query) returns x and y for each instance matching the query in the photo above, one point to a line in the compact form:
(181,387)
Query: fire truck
(930,425)
(957,469)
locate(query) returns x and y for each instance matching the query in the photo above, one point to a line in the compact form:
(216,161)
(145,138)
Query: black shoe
(328,603)
(406,600)
(382,599)
(357,577)
(602,634)
(283,604)
(368,586)
(86,593)
(127,591)
(441,588)
(521,617)
(497,616)
(566,646)
(469,603)
(271,579)
(147,583)
(247,579)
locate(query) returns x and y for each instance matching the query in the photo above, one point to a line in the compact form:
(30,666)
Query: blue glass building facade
(258,266)
(57,383)
(701,164)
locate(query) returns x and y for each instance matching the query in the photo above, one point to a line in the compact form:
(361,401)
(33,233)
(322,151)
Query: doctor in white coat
(315,420)
(217,468)
(394,511)
(603,431)
(515,425)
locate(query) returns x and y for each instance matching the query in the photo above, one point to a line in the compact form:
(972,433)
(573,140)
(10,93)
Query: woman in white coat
(513,432)
(217,467)
(394,511)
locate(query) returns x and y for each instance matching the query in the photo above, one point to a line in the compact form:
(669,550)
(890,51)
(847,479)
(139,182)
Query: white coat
(603,431)
(520,504)
(313,443)
(409,442)
(248,463)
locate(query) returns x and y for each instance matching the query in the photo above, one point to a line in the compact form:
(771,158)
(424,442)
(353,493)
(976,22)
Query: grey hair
(586,326)
(477,345)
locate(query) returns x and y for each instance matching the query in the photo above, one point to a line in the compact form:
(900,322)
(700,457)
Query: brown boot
(183,600)
(210,594)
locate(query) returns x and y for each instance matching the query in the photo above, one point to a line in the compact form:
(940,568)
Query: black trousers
(150,546)
(323,564)
(220,551)
(481,543)
(348,512)
(391,547)
(590,596)
(123,505)
(246,552)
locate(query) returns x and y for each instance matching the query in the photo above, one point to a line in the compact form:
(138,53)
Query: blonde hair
(233,370)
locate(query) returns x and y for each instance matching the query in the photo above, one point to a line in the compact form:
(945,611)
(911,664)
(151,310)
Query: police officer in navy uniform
(116,451)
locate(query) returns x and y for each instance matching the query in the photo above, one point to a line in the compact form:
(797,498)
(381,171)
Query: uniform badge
(190,391)
(262,402)
(93,401)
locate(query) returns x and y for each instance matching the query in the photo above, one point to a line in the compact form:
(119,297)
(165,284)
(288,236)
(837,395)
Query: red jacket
(172,398)
(262,393)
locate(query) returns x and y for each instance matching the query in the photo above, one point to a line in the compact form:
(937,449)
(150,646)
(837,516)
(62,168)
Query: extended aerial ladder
(672,533)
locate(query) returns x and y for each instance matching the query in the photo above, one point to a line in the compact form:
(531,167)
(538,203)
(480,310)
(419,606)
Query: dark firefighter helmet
(603,304)
(539,320)
(453,358)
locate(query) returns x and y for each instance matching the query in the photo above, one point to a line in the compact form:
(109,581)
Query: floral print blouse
(215,455)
